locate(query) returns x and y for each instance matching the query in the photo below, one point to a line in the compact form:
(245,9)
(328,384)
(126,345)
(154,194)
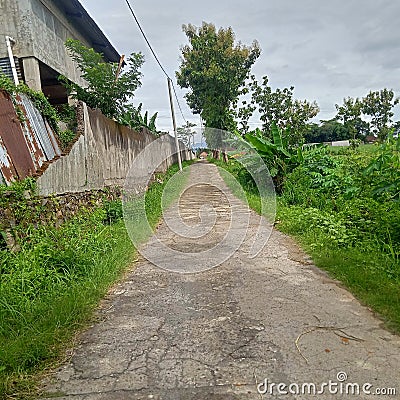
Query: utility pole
(174,123)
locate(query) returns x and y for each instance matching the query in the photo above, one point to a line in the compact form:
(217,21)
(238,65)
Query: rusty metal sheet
(14,139)
(39,129)
(34,146)
(7,170)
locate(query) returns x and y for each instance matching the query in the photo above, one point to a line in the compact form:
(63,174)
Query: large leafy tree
(379,106)
(327,131)
(279,107)
(350,113)
(106,89)
(214,68)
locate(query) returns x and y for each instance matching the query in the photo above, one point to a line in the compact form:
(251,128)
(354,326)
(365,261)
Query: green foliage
(328,131)
(114,211)
(43,105)
(379,105)
(280,108)
(18,190)
(279,157)
(7,84)
(105,90)
(214,68)
(49,289)
(384,171)
(350,113)
(355,143)
(67,114)
(353,187)
(66,137)
(132,117)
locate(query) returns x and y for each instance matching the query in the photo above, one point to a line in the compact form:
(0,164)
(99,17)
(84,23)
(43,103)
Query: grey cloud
(327,50)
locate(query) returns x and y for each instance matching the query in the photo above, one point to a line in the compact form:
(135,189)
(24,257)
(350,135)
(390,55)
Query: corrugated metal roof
(24,146)
(34,147)
(14,138)
(7,170)
(41,130)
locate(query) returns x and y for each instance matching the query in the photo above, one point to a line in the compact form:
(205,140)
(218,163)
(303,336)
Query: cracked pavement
(218,334)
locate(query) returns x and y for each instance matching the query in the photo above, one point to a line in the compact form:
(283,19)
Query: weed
(348,232)
(49,289)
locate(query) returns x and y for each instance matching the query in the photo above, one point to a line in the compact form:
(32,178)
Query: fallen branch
(337,331)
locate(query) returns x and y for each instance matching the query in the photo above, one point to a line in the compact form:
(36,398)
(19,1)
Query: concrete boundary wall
(102,156)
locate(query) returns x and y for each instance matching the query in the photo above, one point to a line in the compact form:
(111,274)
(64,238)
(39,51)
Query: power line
(145,38)
(155,56)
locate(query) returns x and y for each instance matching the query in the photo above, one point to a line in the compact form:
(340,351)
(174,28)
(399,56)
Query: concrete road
(223,333)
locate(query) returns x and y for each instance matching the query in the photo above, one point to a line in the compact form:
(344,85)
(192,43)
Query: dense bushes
(338,188)
(343,207)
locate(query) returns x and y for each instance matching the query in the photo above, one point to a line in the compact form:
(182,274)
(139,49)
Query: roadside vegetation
(344,209)
(110,86)
(343,205)
(50,288)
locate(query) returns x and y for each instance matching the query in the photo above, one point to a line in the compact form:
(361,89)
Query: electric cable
(156,57)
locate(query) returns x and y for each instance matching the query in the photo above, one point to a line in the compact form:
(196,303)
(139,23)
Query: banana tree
(278,156)
(132,117)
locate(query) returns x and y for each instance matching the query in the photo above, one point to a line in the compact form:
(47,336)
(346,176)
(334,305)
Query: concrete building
(32,35)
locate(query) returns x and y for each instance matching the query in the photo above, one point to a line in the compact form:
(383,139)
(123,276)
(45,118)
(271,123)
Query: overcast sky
(326,50)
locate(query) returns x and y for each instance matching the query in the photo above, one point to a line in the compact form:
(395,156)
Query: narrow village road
(221,333)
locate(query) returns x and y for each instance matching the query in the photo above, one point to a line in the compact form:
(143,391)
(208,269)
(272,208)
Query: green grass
(363,148)
(238,184)
(49,290)
(369,268)
(371,274)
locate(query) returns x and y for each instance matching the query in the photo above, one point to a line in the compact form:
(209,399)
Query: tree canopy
(379,106)
(105,90)
(214,68)
(278,107)
(350,114)
(376,106)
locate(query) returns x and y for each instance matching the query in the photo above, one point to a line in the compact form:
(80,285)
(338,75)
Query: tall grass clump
(50,287)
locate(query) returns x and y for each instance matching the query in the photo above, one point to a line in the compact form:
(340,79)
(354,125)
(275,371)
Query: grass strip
(363,266)
(50,289)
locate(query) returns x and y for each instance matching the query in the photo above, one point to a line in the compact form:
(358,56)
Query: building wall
(103,156)
(40,31)
(15,22)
